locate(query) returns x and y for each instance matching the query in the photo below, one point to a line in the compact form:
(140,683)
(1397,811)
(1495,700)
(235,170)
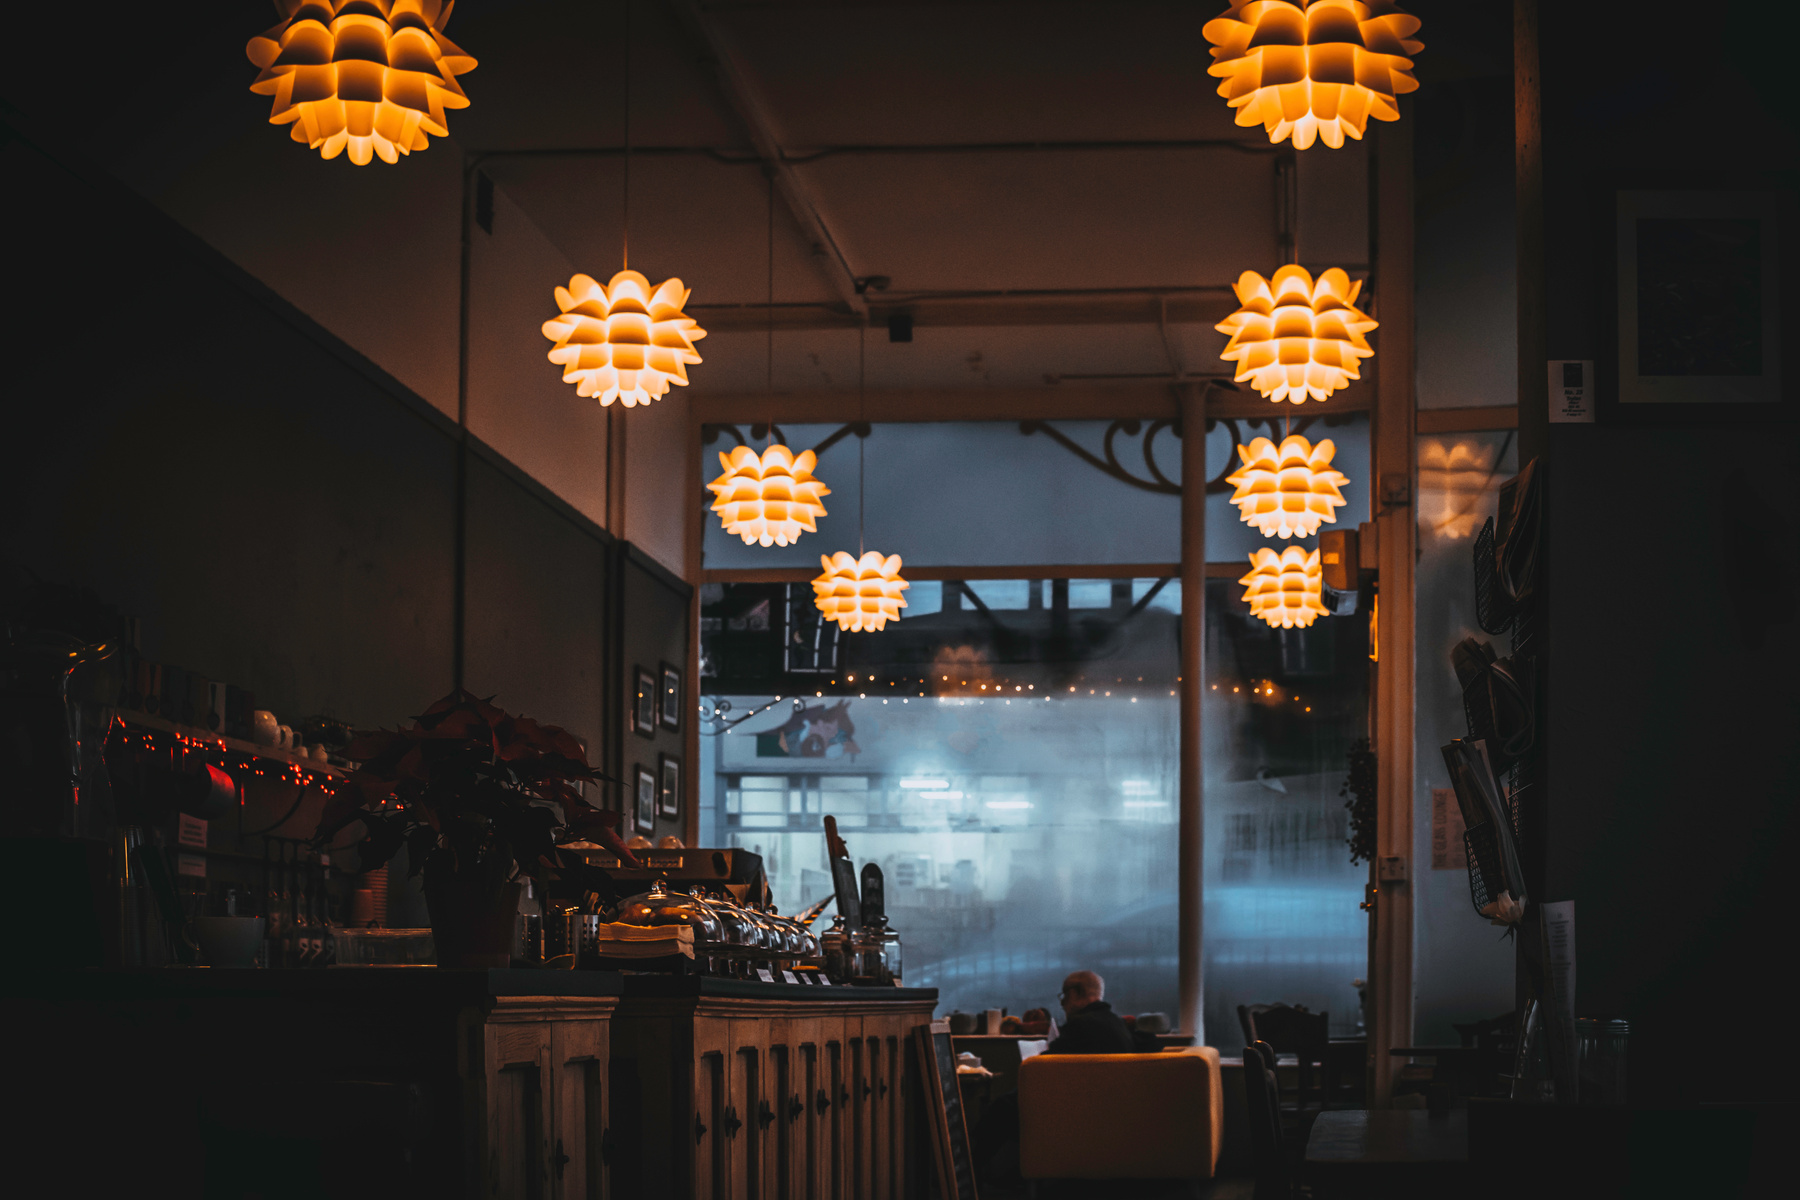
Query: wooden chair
(1292,1030)
(1268,1145)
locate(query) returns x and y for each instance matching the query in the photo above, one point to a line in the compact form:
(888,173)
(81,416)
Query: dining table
(1392,1152)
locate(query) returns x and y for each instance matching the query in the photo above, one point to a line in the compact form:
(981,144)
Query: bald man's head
(1081,989)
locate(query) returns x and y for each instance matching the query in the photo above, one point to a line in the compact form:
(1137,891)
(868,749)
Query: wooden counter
(747,1091)
(421,1081)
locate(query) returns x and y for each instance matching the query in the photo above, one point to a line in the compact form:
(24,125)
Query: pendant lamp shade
(860,593)
(1285,589)
(369,76)
(1295,338)
(771,498)
(1313,69)
(1287,491)
(623,341)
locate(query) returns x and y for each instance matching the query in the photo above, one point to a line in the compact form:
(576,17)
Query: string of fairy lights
(373,80)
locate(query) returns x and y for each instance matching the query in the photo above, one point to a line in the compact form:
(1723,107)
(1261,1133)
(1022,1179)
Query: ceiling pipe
(741,98)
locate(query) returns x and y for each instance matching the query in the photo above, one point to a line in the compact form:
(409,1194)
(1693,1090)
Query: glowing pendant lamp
(369,76)
(860,593)
(769,499)
(1313,68)
(622,341)
(1287,491)
(1294,338)
(1285,589)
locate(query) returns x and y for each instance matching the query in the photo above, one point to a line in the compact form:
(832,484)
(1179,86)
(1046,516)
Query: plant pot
(473,924)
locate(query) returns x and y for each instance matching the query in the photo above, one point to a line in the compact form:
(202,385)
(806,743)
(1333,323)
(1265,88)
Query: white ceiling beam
(741,97)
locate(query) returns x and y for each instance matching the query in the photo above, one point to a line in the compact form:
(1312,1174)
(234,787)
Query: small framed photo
(643,705)
(668,704)
(668,789)
(644,813)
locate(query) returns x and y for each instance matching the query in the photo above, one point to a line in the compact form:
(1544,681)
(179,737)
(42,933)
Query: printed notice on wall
(191,831)
(1448,850)
(1571,391)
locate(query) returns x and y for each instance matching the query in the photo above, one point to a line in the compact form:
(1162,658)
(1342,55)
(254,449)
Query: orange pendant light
(860,593)
(369,76)
(1294,338)
(1311,69)
(622,341)
(1285,589)
(1287,491)
(770,499)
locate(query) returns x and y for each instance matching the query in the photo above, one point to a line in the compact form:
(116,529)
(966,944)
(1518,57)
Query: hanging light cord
(625,200)
(862,436)
(769,347)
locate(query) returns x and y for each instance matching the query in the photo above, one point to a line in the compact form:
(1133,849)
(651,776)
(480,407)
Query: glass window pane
(1090,593)
(1166,597)
(1002,594)
(923,597)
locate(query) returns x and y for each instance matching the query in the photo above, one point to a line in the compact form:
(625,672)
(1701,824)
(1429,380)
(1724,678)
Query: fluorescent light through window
(940,795)
(925,783)
(1009,804)
(1146,804)
(1138,787)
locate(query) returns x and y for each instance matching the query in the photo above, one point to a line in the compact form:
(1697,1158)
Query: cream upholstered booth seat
(1121,1116)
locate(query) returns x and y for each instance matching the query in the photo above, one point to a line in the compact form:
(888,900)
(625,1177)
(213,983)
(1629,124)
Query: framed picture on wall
(669,702)
(644,811)
(668,790)
(643,705)
(1696,323)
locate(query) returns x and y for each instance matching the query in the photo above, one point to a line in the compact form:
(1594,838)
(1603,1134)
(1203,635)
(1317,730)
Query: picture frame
(643,704)
(1695,322)
(644,809)
(668,787)
(668,698)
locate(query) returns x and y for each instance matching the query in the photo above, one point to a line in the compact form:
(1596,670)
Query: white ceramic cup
(286,739)
(264,730)
(318,753)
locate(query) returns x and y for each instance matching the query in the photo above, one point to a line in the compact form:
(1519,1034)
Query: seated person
(1091,1026)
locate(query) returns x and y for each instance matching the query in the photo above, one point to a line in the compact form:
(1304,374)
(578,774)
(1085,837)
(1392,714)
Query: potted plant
(477,796)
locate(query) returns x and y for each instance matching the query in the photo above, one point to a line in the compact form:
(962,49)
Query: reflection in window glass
(1015,775)
(1461,973)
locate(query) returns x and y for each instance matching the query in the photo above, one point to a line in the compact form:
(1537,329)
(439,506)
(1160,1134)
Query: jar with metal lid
(889,940)
(866,967)
(834,947)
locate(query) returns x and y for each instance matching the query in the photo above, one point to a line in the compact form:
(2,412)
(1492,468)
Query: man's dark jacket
(1095,1029)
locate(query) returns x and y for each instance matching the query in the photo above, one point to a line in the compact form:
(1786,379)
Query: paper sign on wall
(191,831)
(1571,391)
(1448,850)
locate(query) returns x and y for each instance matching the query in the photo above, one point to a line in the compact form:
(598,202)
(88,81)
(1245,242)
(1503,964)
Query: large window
(1008,753)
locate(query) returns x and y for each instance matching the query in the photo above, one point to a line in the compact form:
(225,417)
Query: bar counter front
(496,1083)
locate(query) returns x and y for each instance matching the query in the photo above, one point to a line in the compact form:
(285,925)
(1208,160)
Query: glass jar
(1600,1060)
(890,951)
(834,948)
(866,968)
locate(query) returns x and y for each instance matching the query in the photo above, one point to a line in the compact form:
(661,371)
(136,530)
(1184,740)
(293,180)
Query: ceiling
(1050,191)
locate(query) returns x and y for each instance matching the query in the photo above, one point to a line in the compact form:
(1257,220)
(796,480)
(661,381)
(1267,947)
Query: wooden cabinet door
(713,1131)
(810,1120)
(516,1121)
(836,1158)
(579,1109)
(748,1106)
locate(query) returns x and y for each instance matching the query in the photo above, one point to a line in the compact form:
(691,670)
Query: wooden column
(1192,831)
(1390,966)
